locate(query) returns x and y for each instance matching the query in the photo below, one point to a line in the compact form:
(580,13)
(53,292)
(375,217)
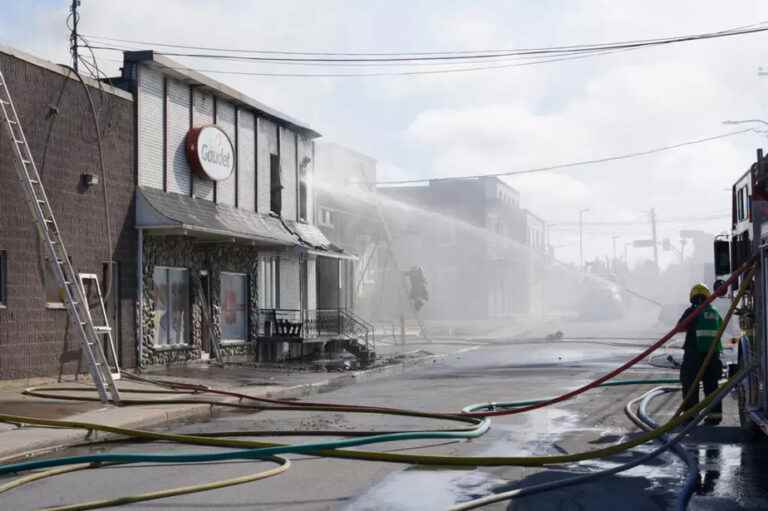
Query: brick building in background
(36,338)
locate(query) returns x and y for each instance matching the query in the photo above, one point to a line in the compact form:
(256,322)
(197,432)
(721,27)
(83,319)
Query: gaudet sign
(210,152)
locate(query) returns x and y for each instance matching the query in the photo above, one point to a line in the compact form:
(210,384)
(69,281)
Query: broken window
(276,186)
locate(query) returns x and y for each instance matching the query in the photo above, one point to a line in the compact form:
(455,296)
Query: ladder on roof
(74,293)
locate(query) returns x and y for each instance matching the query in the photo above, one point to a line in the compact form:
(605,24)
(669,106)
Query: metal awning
(316,242)
(172,213)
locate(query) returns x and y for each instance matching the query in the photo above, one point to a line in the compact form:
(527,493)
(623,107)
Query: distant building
(346,214)
(477,246)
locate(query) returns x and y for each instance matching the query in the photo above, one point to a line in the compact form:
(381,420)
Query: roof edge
(63,71)
(176,68)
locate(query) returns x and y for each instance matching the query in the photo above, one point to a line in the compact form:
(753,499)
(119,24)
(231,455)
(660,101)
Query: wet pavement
(732,472)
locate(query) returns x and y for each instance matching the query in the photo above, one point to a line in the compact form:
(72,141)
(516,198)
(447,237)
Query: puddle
(420,489)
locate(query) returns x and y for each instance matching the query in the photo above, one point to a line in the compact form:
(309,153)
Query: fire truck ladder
(69,281)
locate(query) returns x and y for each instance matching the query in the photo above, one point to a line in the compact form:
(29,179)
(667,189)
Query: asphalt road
(730,469)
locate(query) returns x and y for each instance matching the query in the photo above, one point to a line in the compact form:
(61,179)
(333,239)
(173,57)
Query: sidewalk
(254,381)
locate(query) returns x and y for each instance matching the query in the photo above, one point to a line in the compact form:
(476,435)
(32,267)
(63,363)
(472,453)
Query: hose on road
(701,411)
(249,449)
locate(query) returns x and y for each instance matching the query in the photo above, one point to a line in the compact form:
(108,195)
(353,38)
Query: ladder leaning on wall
(72,285)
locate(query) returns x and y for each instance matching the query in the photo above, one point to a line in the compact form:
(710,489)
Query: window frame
(246,289)
(170,307)
(275,185)
(269,280)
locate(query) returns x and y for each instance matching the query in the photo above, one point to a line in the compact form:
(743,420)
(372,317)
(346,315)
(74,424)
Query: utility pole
(653,237)
(682,251)
(581,236)
(73,33)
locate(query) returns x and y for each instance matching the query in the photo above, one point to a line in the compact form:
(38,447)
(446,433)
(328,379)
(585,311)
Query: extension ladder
(74,293)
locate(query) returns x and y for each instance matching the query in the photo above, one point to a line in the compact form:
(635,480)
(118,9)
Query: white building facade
(228,249)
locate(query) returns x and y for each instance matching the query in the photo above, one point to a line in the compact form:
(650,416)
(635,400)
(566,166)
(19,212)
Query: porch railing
(299,325)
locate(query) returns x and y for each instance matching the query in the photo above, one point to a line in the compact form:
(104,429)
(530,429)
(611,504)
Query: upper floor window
(276,186)
(3,278)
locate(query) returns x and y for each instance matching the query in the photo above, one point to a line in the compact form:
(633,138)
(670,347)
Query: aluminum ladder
(74,295)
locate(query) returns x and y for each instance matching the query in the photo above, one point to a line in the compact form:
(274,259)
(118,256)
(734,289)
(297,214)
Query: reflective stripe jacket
(702,330)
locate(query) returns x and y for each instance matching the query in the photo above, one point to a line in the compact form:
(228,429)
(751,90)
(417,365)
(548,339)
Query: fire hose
(259,450)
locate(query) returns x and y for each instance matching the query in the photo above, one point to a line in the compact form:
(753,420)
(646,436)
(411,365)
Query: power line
(678,220)
(383,73)
(571,164)
(433,55)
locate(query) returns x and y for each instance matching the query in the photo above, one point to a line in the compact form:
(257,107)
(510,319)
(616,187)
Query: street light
(581,236)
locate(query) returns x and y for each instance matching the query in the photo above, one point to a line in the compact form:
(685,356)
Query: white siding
(267,144)
(246,161)
(202,114)
(150,133)
(311,283)
(306,150)
(177,110)
(288,175)
(225,119)
(289,283)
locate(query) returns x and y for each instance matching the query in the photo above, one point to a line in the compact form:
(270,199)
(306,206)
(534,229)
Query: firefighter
(699,336)
(418,293)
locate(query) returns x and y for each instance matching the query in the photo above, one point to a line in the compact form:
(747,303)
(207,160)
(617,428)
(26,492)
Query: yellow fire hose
(335,453)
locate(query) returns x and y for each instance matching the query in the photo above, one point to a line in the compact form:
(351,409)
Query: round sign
(210,152)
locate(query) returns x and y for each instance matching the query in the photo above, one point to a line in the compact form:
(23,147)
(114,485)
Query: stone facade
(185,252)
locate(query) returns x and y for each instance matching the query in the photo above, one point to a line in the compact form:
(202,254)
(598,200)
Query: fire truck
(748,238)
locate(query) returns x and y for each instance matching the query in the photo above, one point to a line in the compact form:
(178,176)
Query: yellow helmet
(700,290)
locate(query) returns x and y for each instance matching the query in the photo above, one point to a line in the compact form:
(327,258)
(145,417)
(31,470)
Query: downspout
(140,299)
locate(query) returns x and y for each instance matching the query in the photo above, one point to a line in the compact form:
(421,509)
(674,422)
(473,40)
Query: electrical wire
(560,166)
(243,55)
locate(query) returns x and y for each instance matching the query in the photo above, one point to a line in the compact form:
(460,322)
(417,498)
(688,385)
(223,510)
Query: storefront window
(269,283)
(172,307)
(234,307)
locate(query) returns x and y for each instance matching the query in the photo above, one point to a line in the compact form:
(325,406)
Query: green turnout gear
(708,323)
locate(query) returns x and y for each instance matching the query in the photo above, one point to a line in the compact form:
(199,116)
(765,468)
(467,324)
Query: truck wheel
(751,430)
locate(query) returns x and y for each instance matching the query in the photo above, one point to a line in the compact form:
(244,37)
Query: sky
(494,120)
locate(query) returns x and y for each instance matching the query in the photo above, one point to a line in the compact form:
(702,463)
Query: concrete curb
(28,441)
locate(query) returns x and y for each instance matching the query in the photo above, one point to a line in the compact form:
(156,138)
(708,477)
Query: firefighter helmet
(699,290)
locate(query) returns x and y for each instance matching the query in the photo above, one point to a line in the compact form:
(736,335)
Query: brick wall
(34,340)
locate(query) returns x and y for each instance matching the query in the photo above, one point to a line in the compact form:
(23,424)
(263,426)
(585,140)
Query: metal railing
(297,324)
